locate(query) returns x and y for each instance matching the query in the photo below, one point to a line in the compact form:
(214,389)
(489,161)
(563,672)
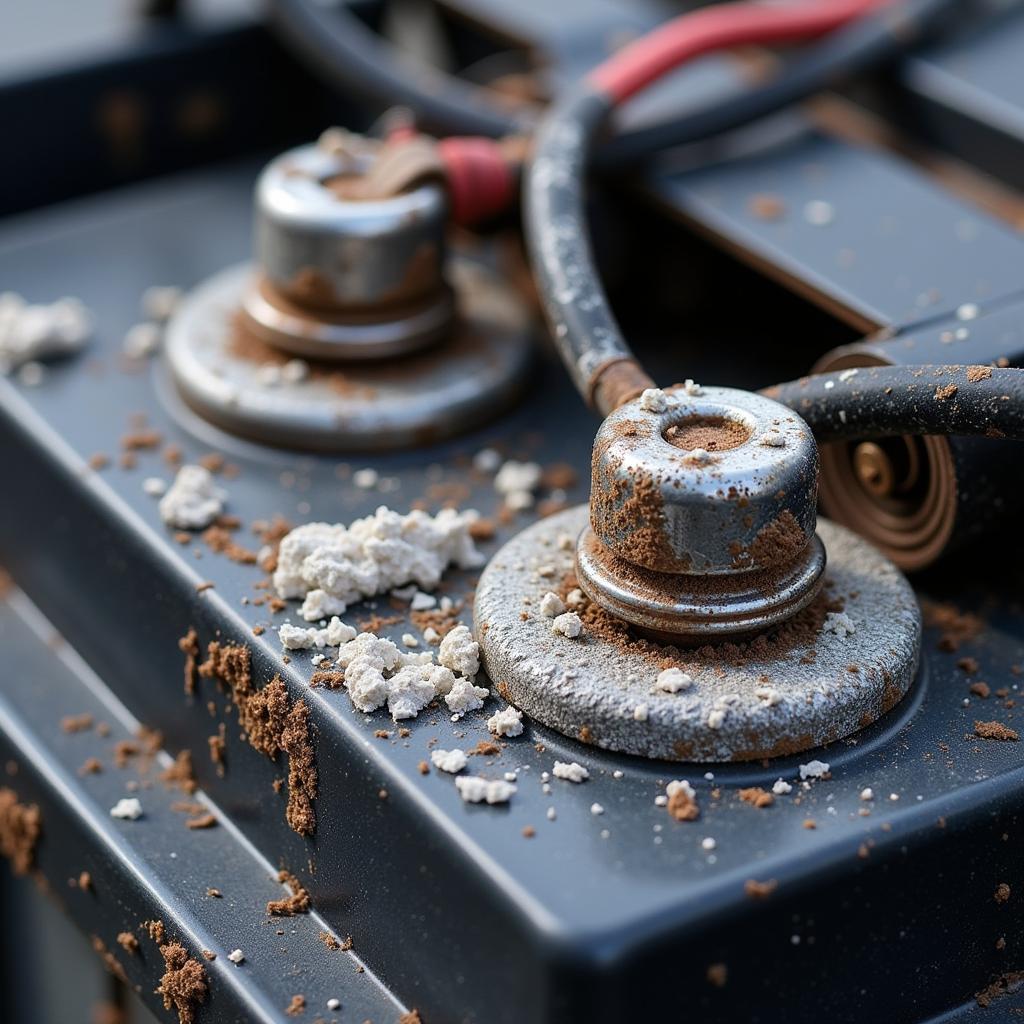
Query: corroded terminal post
(347,269)
(702,514)
(342,333)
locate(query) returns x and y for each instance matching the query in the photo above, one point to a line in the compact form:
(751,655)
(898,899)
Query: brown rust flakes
(1002,893)
(183,985)
(179,774)
(756,797)
(298,902)
(682,805)
(189,646)
(76,723)
(779,542)
(756,890)
(296,1006)
(297,743)
(128,942)
(272,724)
(219,540)
(943,392)
(995,731)
(1003,985)
(978,373)
(20,828)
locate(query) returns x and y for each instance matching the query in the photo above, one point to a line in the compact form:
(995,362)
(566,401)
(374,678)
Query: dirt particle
(296,1006)
(20,828)
(995,731)
(980,689)
(756,890)
(756,797)
(201,821)
(76,723)
(183,985)
(1003,985)
(179,774)
(189,646)
(718,975)
(298,902)
(128,942)
(1002,893)
(682,805)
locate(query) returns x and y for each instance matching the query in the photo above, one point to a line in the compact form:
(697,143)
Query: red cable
(716,28)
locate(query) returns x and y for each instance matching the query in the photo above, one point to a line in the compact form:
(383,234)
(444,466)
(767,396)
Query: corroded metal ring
(661,605)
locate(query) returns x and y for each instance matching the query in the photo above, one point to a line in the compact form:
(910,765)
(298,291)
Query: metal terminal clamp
(702,514)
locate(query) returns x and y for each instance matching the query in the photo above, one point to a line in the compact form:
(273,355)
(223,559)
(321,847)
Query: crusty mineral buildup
(410,690)
(193,501)
(839,623)
(128,808)
(236,956)
(452,761)
(31,332)
(507,722)
(814,770)
(781,787)
(475,790)
(551,605)
(460,652)
(654,400)
(378,672)
(333,566)
(298,638)
(570,771)
(568,624)
(518,477)
(464,697)
(672,680)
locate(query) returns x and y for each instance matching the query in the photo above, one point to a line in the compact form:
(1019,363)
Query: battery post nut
(702,514)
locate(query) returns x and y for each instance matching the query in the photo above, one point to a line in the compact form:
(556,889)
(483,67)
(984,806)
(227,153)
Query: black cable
(888,401)
(360,63)
(585,331)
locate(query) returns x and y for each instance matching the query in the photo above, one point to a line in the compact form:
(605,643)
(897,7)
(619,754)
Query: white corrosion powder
(551,605)
(568,624)
(570,771)
(128,808)
(475,790)
(332,566)
(672,680)
(299,638)
(236,956)
(814,770)
(507,722)
(460,652)
(839,623)
(653,400)
(449,760)
(781,787)
(193,501)
(29,332)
